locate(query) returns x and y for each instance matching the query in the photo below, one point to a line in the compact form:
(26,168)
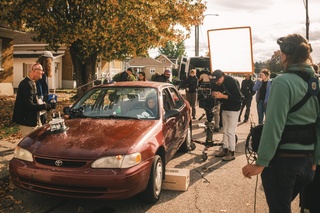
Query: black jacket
(161,78)
(26,107)
(192,84)
(247,88)
(230,86)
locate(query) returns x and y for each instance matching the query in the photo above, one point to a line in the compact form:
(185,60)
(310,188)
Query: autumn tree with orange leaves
(112,29)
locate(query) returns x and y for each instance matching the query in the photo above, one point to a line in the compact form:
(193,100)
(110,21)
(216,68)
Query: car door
(182,119)
(173,126)
(169,125)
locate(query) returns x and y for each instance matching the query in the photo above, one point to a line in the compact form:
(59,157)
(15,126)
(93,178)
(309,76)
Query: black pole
(307,21)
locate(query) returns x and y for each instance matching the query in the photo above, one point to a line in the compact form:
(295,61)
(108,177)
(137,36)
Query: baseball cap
(216,75)
(167,71)
(47,54)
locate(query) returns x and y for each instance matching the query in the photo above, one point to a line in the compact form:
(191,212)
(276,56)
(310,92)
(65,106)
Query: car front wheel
(153,190)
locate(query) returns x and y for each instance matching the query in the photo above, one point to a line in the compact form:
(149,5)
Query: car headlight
(118,161)
(22,154)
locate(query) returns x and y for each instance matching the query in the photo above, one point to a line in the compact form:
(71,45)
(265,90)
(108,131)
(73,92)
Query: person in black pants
(191,91)
(248,93)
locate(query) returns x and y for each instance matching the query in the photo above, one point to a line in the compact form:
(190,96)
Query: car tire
(154,187)
(188,145)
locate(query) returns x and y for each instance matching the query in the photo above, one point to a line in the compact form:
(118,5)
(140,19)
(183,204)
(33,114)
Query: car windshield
(118,102)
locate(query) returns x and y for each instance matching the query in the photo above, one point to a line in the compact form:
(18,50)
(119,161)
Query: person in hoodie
(191,91)
(289,147)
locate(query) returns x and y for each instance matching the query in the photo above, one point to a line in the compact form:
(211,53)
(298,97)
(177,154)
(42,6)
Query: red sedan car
(114,144)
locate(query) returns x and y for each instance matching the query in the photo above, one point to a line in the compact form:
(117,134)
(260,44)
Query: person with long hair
(142,76)
(289,147)
(45,60)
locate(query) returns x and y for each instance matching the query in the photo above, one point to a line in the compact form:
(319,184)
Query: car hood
(90,138)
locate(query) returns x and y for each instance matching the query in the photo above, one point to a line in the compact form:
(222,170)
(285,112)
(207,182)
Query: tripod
(209,129)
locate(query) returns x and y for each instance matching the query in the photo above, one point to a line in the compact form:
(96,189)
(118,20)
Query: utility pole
(196,53)
(307,20)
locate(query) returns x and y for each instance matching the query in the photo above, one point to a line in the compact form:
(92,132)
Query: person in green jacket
(289,147)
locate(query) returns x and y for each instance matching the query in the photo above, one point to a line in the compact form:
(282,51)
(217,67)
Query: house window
(163,61)
(152,70)
(26,68)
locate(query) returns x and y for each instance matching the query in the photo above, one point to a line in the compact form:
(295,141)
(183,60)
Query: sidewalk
(6,153)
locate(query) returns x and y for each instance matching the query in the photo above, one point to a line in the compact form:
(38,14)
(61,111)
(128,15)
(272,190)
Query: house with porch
(150,65)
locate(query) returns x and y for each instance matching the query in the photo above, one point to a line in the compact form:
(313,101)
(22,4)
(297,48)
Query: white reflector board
(231,50)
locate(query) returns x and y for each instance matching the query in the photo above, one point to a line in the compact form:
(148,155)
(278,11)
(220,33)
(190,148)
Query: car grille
(64,164)
(63,190)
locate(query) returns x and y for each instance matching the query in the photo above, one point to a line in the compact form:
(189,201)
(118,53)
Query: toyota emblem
(58,163)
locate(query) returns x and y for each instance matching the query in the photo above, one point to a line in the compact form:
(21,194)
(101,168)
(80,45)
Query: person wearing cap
(45,60)
(227,90)
(289,148)
(26,107)
(165,77)
(126,75)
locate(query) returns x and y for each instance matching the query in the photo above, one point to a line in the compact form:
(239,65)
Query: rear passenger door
(173,126)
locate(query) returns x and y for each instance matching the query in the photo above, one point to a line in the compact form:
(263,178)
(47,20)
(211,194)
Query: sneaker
(194,118)
(245,121)
(223,153)
(229,157)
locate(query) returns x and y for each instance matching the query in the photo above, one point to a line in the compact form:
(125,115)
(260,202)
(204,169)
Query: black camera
(206,100)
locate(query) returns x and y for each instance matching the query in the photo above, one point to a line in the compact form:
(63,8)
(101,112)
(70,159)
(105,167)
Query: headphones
(285,47)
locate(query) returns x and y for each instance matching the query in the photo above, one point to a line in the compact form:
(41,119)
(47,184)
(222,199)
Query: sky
(268,19)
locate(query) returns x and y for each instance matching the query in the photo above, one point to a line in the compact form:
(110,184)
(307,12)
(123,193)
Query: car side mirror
(66,110)
(171,113)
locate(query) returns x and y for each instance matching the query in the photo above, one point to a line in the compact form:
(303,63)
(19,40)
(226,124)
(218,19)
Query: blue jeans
(261,107)
(284,179)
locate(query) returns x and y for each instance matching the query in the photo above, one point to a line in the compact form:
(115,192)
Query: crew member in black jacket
(191,91)
(228,93)
(248,93)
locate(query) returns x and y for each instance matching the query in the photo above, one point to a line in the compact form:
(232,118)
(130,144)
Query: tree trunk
(84,70)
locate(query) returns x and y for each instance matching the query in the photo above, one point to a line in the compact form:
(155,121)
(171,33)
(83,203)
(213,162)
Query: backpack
(313,90)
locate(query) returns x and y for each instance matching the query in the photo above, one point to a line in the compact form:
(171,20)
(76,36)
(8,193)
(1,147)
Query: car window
(166,100)
(177,98)
(131,102)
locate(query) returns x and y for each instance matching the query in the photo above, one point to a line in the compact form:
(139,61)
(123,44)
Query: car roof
(153,84)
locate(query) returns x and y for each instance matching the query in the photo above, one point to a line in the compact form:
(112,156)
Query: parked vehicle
(110,144)
(198,62)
